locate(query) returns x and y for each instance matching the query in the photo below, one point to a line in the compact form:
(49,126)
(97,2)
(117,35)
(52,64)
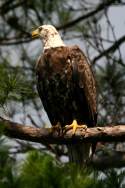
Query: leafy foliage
(42,170)
(14,84)
(114,179)
(51,174)
(7,178)
(111,80)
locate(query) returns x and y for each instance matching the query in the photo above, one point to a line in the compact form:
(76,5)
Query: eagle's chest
(58,81)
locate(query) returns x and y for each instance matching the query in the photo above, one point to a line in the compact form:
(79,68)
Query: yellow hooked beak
(35,33)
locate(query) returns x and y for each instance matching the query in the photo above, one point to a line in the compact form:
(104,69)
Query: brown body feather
(66,86)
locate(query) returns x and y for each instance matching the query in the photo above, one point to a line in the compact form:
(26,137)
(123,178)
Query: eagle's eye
(40,29)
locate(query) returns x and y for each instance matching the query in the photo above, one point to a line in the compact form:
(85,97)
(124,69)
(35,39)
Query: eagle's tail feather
(79,153)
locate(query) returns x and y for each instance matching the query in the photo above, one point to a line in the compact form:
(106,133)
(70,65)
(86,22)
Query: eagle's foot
(74,126)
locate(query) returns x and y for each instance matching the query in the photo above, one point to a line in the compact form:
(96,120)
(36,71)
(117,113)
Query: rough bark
(55,135)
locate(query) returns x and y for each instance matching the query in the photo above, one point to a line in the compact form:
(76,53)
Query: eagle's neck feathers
(52,41)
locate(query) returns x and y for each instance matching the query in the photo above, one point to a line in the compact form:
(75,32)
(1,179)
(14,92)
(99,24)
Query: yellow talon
(74,126)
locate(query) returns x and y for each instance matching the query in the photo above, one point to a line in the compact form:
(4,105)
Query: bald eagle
(66,86)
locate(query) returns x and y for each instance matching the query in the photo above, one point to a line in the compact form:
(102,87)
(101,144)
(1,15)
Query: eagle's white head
(49,36)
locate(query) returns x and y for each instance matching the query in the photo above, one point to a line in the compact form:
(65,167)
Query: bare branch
(114,159)
(112,49)
(4,8)
(99,8)
(56,136)
(16,42)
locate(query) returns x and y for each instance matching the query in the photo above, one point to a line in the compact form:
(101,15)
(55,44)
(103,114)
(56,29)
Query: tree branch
(99,8)
(113,159)
(56,136)
(112,49)
(16,42)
